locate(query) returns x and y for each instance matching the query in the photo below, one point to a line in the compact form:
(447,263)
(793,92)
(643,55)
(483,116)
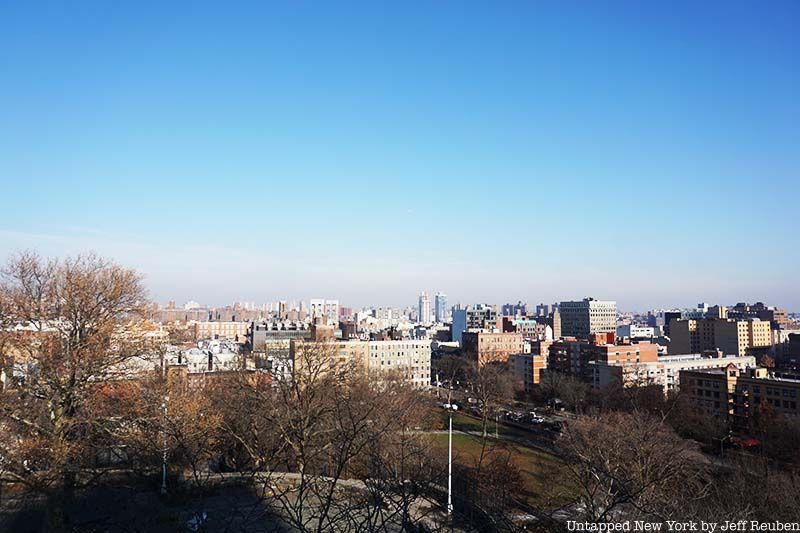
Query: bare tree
(748,488)
(330,447)
(628,463)
(6,335)
(573,392)
(692,422)
(452,369)
(397,468)
(81,317)
(174,423)
(493,384)
(778,435)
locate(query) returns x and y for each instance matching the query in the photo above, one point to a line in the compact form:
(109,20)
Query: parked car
(534,418)
(514,416)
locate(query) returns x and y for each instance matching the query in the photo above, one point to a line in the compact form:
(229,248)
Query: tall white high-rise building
(424,311)
(319,307)
(440,307)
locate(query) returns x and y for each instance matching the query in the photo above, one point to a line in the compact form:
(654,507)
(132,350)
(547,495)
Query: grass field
(542,472)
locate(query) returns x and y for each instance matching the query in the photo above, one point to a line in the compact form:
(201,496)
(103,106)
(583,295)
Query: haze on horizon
(531,150)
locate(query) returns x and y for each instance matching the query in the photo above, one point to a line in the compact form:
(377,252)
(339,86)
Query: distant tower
(424,311)
(440,306)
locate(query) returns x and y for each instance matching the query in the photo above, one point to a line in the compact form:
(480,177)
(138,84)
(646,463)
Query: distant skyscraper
(441,307)
(424,311)
(319,307)
(517,309)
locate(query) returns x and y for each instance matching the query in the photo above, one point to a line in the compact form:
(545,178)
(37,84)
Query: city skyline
(541,151)
(304,304)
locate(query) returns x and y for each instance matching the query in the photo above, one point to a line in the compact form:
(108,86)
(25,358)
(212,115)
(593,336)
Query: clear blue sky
(647,152)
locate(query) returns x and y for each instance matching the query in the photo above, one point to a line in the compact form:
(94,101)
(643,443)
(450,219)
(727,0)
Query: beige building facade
(734,337)
(586,317)
(236,331)
(410,359)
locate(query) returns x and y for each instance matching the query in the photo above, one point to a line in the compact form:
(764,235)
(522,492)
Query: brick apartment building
(737,394)
(572,356)
(486,347)
(528,368)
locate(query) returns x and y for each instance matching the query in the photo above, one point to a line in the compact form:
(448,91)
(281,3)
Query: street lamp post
(450,466)
(450,406)
(164,454)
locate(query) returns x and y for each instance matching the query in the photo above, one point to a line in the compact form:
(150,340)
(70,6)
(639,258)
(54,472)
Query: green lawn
(542,472)
(462,422)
